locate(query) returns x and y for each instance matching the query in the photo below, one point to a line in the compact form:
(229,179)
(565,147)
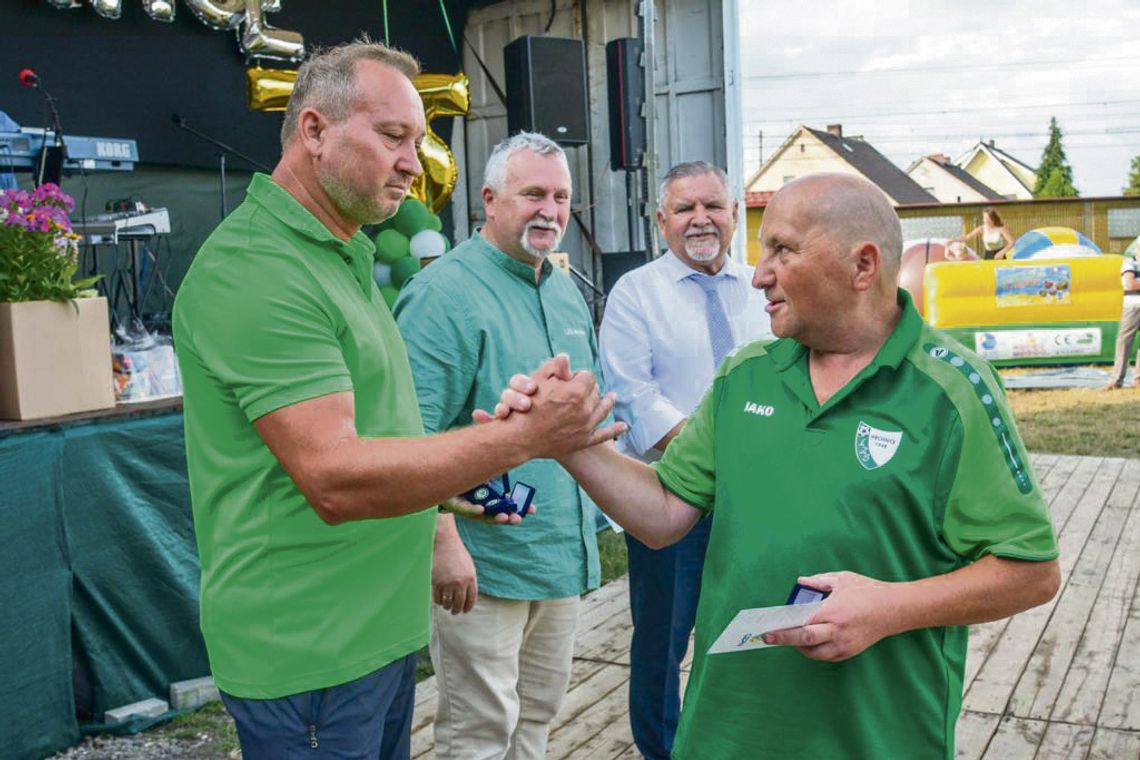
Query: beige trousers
(502,671)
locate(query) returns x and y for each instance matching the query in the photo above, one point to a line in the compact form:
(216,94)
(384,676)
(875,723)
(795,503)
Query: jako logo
(577,331)
(760,409)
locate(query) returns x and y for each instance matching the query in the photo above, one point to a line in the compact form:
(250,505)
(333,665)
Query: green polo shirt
(912,469)
(471,320)
(273,311)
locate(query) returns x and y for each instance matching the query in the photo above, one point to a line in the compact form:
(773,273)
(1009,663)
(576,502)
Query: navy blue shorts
(365,719)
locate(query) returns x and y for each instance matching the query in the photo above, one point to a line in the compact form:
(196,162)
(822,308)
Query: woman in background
(997,241)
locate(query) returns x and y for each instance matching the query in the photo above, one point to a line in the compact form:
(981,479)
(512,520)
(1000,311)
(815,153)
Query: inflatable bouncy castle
(1058,301)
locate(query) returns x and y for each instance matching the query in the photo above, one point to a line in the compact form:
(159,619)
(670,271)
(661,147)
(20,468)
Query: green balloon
(403,268)
(434,223)
(391,245)
(411,218)
(390,294)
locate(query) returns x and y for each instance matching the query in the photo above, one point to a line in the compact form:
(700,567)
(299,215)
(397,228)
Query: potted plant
(55,353)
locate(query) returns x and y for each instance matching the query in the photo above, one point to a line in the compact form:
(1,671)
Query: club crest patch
(874,447)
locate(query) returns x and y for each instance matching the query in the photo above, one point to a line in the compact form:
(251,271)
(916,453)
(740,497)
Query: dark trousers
(663,588)
(366,719)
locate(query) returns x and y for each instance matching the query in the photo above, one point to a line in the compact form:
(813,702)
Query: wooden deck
(1058,681)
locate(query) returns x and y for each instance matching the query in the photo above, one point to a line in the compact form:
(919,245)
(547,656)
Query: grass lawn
(1079,421)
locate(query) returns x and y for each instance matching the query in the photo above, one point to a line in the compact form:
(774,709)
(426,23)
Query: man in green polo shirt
(303,430)
(864,454)
(489,309)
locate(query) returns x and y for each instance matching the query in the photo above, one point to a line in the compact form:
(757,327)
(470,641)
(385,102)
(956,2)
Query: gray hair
(690,169)
(495,173)
(326,82)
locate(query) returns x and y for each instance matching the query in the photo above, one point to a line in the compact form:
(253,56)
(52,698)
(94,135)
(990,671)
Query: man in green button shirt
(489,309)
(302,430)
(865,454)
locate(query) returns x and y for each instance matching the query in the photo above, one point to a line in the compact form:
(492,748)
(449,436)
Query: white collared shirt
(1131,297)
(654,343)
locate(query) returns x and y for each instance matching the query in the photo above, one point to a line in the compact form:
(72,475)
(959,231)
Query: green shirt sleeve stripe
(993,504)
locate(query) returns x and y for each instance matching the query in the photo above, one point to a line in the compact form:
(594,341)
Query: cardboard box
(55,358)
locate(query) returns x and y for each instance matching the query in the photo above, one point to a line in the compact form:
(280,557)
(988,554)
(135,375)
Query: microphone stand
(58,151)
(223,150)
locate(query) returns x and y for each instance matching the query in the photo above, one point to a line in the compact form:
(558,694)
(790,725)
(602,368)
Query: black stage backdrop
(127,77)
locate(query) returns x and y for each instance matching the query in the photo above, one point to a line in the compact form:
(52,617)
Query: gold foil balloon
(269,89)
(443,95)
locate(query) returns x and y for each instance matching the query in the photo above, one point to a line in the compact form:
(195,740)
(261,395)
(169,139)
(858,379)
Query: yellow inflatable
(1030,311)
(1030,291)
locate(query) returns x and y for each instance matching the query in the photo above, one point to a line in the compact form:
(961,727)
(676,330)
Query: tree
(1054,176)
(1134,178)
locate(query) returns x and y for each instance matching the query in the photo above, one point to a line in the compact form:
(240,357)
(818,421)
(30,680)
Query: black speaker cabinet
(626,80)
(546,88)
(617,263)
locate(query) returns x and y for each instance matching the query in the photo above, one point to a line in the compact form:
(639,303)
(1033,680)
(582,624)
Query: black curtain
(127,77)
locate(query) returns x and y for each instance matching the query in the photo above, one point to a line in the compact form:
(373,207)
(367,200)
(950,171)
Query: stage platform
(1062,680)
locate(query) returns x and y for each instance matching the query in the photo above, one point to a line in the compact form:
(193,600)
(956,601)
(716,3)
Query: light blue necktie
(720,333)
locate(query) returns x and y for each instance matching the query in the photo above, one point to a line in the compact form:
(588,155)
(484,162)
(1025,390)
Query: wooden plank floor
(1059,681)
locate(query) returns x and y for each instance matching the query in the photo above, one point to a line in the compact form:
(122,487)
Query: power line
(935,111)
(872,137)
(944,67)
(796,159)
(922,131)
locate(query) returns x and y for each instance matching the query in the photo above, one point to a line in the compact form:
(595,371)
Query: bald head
(850,210)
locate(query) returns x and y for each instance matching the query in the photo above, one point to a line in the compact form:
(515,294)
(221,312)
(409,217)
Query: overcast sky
(925,76)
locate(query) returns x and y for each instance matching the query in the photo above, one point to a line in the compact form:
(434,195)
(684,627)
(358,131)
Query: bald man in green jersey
(864,454)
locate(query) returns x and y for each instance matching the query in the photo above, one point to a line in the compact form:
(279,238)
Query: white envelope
(749,625)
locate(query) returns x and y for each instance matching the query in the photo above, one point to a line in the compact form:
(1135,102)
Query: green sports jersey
(276,310)
(913,469)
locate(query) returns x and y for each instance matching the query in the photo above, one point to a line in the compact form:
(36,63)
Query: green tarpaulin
(98,574)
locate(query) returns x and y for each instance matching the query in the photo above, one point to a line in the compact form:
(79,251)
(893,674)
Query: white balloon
(427,244)
(382,273)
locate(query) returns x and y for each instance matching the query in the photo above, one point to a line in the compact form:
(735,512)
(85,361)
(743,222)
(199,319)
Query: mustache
(709,229)
(539,224)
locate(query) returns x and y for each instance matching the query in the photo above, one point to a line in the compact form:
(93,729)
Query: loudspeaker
(546,88)
(626,81)
(617,263)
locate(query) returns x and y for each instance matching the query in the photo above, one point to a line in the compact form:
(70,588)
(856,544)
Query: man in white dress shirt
(667,326)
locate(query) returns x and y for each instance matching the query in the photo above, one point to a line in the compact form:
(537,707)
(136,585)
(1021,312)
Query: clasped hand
(562,406)
(561,412)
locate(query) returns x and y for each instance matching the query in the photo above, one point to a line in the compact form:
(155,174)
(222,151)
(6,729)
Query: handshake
(551,413)
(564,408)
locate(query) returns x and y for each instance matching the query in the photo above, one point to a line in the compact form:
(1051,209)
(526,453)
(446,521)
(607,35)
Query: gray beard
(535,253)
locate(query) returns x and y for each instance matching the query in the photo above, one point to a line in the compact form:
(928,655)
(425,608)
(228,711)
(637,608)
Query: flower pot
(55,358)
